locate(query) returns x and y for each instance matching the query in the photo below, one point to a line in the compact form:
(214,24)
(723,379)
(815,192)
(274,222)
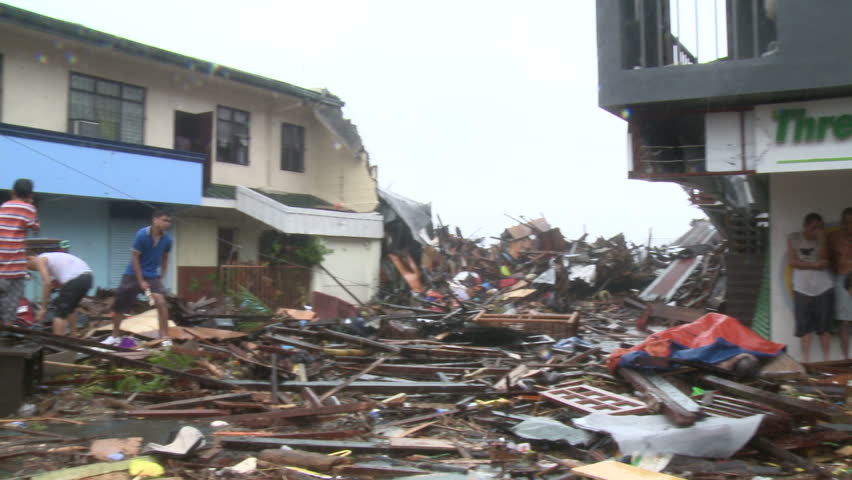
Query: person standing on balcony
(840,245)
(813,294)
(74,278)
(16,217)
(149,261)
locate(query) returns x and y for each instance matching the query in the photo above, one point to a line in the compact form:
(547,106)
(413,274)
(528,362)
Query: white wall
(355,262)
(792,196)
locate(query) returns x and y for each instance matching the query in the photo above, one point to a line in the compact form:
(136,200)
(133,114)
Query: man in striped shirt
(16,217)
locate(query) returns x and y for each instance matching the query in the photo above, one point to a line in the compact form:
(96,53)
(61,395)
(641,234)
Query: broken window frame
(89,104)
(292,148)
(232,135)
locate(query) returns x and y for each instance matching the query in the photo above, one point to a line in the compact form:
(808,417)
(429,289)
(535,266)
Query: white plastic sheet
(713,437)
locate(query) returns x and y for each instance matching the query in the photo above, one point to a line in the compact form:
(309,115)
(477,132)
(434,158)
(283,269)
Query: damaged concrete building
(109,128)
(743,104)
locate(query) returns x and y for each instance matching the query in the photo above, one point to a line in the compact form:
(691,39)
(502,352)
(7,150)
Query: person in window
(144,274)
(840,246)
(16,217)
(813,294)
(74,278)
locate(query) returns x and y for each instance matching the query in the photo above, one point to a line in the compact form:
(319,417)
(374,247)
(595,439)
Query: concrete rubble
(474,362)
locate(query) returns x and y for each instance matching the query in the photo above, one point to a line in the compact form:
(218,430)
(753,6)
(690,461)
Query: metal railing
(684,32)
(274,285)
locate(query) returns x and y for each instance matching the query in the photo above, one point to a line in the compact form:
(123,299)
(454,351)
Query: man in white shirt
(813,284)
(74,278)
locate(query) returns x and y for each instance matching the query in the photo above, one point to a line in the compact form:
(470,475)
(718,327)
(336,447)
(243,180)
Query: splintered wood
(586,398)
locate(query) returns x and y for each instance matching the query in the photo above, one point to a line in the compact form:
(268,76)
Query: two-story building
(748,105)
(108,128)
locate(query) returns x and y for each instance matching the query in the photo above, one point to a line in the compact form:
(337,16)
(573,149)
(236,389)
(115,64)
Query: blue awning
(72,165)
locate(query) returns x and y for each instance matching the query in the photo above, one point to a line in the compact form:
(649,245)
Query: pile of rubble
(538,357)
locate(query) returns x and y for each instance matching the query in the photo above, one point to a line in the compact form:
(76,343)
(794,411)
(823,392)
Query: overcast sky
(484,108)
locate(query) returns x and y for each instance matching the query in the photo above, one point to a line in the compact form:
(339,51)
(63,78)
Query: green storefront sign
(796,123)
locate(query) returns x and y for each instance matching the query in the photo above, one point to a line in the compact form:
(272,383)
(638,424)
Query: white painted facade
(34,92)
(792,196)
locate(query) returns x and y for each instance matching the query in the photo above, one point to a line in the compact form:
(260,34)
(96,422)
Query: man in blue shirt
(148,264)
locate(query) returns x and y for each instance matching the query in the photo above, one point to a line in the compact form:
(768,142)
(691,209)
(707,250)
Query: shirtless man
(840,246)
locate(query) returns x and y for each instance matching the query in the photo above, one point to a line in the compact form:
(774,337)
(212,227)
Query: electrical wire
(185,221)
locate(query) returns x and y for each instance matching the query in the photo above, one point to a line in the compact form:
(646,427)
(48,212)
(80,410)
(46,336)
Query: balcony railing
(657,33)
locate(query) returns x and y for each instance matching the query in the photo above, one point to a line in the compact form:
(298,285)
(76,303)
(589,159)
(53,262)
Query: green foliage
(169,359)
(247,300)
(194,284)
(304,250)
(133,383)
(249,327)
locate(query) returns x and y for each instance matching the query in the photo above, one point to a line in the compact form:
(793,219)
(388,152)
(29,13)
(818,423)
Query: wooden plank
(267,418)
(379,387)
(351,380)
(294,343)
(194,402)
(676,412)
(190,413)
(360,341)
(85,471)
(612,470)
(794,406)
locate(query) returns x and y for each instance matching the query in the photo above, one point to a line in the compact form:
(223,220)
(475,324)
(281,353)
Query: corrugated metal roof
(702,233)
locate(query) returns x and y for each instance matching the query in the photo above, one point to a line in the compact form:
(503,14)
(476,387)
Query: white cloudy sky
(483,107)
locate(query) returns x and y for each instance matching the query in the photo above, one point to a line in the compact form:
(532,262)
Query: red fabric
(16,217)
(699,333)
(506,282)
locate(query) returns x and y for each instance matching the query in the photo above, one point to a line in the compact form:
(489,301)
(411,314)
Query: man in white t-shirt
(74,278)
(813,284)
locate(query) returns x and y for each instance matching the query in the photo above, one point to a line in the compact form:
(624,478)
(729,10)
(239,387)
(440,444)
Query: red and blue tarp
(712,338)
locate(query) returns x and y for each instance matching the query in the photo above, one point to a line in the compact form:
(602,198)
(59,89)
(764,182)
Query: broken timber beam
(294,343)
(406,444)
(671,408)
(794,406)
(194,402)
(264,419)
(351,380)
(192,413)
(431,370)
(360,341)
(366,386)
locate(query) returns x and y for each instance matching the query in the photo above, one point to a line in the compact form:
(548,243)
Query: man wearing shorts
(813,294)
(74,278)
(149,261)
(16,217)
(840,247)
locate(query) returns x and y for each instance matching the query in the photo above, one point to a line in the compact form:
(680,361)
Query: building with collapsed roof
(747,106)
(109,128)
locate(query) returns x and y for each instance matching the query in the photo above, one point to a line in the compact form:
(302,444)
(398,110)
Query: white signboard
(804,136)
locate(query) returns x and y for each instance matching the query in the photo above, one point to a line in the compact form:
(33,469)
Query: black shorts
(814,314)
(71,293)
(129,289)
